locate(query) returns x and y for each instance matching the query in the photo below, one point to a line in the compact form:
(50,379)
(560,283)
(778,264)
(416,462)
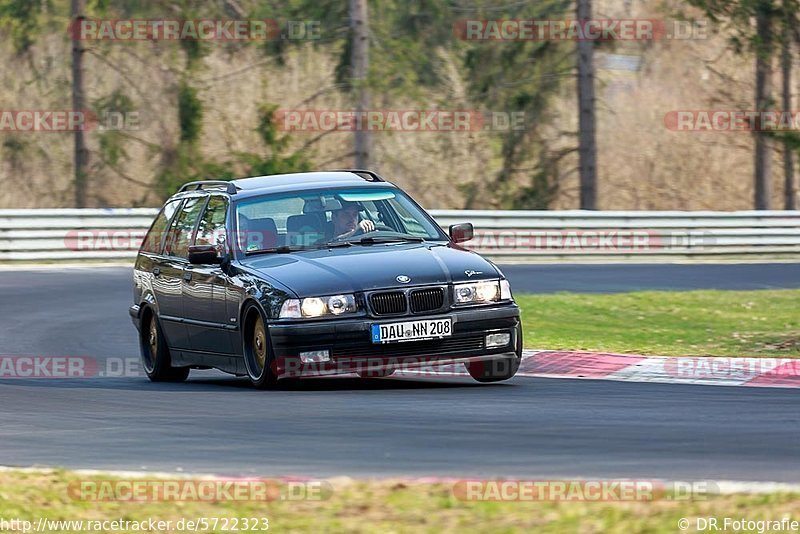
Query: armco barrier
(115,234)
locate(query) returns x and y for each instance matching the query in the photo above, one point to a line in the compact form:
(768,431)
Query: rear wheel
(258,355)
(155,353)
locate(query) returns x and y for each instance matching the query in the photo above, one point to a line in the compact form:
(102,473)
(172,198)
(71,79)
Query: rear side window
(152,241)
(180,234)
(211,230)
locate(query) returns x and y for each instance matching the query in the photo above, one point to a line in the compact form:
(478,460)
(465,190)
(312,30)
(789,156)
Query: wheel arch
(148,300)
(247,305)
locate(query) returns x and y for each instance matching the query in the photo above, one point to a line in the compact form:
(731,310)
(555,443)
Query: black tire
(156,359)
(499,369)
(259,357)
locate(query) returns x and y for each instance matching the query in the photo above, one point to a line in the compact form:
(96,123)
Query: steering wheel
(378,228)
(358,230)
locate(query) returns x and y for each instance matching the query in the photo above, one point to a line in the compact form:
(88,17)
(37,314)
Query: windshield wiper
(283,249)
(392,239)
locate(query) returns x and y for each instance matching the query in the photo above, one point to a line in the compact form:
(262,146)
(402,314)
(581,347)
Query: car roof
(286,183)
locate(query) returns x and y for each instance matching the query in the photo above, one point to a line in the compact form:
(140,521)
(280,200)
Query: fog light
(497,340)
(315,356)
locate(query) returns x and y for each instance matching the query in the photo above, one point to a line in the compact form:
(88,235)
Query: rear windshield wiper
(393,239)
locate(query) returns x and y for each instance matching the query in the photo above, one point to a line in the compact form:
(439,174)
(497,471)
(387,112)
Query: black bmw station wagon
(311,274)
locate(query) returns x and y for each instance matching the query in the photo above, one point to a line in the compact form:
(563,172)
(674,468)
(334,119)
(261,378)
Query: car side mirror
(461,232)
(204,255)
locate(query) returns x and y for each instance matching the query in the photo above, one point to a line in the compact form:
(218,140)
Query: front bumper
(351,350)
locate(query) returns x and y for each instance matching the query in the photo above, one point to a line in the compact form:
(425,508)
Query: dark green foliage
(737,16)
(187,163)
(761,27)
(413,49)
(21,19)
(190,113)
(523,76)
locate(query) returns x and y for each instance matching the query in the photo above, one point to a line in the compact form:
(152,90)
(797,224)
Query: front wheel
(498,369)
(258,357)
(494,370)
(155,353)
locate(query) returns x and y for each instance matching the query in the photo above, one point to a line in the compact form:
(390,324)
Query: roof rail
(230,187)
(373,176)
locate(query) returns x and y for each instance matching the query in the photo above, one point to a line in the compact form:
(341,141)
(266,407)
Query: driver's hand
(367,226)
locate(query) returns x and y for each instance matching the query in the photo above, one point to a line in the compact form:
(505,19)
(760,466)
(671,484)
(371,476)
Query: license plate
(412,330)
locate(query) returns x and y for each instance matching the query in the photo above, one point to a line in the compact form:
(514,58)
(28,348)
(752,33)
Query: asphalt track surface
(635,277)
(384,427)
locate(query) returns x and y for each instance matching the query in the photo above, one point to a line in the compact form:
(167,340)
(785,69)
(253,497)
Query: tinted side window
(180,234)
(211,230)
(152,241)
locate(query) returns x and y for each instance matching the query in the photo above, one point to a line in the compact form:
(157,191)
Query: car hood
(364,268)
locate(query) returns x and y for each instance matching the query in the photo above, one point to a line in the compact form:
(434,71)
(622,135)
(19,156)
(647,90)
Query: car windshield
(302,220)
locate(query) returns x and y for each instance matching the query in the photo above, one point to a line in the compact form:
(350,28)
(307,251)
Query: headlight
(318,306)
(477,292)
(480,292)
(312,307)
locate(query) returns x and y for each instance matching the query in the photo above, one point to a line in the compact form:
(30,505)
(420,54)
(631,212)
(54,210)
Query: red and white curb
(753,372)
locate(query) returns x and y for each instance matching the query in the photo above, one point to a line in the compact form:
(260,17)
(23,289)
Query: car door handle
(156,271)
(187,276)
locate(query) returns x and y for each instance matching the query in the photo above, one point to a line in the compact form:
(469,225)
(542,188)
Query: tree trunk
(763,152)
(359,24)
(789,202)
(587,148)
(81,157)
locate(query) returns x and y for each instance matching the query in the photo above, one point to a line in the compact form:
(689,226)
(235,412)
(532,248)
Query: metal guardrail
(115,234)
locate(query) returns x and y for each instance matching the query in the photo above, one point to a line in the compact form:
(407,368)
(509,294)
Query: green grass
(691,323)
(394,506)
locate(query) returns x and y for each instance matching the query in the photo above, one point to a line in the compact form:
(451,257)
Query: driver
(346,224)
